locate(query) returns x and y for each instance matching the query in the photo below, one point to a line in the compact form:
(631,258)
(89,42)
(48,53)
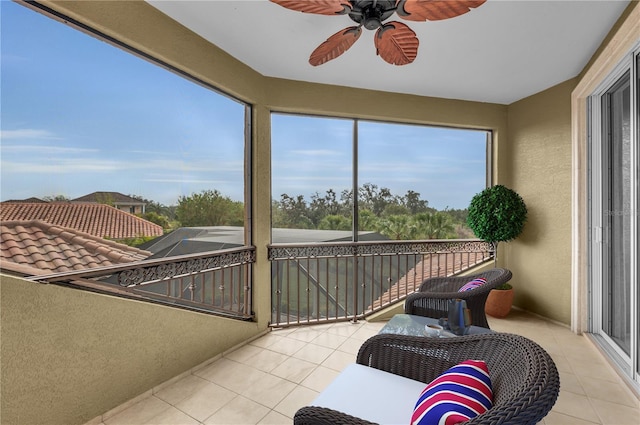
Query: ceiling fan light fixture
(395,42)
(371,23)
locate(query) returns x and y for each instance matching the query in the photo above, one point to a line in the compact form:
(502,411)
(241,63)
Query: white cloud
(27,133)
(42,150)
(58,167)
(206,166)
(307,179)
(317,152)
(184,181)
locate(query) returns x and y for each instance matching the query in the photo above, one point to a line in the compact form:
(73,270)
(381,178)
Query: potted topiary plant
(497,214)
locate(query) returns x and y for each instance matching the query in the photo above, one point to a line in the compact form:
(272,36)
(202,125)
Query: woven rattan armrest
(432,299)
(314,415)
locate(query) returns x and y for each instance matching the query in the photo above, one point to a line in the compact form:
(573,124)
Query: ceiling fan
(395,42)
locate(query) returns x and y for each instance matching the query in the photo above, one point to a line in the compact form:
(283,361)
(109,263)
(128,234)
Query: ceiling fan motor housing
(371,13)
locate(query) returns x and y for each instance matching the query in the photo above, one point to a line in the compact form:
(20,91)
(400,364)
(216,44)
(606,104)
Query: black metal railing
(314,283)
(216,282)
(311,283)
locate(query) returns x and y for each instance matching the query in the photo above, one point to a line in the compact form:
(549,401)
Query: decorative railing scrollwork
(217,282)
(170,270)
(289,251)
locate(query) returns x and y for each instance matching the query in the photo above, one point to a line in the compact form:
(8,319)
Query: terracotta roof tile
(112,196)
(19,258)
(99,220)
(29,200)
(35,247)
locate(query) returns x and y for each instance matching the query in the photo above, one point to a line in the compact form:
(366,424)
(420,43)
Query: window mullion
(355,224)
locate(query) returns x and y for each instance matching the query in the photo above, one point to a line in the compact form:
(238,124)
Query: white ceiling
(500,52)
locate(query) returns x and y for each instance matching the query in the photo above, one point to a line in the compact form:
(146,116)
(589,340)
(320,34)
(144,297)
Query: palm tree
(334,222)
(367,220)
(398,227)
(437,225)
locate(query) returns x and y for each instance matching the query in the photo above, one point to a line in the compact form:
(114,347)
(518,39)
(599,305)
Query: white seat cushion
(372,394)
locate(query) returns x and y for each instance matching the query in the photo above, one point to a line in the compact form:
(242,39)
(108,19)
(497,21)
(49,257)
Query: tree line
(399,217)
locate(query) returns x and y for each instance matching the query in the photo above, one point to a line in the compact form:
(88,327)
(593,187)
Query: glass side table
(409,324)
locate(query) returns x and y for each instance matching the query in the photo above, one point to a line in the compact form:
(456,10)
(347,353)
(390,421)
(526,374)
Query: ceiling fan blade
(319,7)
(396,43)
(335,45)
(434,10)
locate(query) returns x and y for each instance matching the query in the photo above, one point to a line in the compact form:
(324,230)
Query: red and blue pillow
(473,284)
(459,394)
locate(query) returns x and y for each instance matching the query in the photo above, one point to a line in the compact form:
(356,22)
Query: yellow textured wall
(68,356)
(538,167)
(296,96)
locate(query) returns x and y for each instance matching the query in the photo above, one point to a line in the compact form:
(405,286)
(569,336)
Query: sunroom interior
(69,356)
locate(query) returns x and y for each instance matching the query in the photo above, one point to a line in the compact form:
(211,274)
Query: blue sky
(446,166)
(79,115)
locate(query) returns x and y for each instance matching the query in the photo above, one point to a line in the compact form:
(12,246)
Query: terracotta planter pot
(499,302)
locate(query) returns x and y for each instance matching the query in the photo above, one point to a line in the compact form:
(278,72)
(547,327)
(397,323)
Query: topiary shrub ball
(497,214)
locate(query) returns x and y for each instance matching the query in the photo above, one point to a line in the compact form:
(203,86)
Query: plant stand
(499,302)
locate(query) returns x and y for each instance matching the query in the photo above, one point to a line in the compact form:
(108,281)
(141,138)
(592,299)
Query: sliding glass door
(613,216)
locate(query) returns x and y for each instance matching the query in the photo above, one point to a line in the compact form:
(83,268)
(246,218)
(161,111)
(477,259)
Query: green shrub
(497,214)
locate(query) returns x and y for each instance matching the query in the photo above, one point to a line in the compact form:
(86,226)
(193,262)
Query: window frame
(248,108)
(489,152)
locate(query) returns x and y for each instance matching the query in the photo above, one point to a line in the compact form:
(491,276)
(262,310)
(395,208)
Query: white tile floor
(269,379)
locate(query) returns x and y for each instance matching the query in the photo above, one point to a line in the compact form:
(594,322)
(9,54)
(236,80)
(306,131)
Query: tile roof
(28,200)
(99,220)
(36,248)
(100,197)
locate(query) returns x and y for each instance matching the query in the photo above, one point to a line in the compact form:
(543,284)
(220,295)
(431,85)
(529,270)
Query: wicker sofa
(524,378)
(432,298)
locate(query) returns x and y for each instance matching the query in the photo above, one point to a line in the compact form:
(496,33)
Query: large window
(412,181)
(86,121)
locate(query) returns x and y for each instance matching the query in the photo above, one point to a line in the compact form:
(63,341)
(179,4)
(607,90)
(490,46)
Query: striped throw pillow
(473,284)
(459,394)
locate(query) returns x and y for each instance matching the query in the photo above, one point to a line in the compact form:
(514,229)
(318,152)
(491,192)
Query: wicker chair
(432,298)
(524,378)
